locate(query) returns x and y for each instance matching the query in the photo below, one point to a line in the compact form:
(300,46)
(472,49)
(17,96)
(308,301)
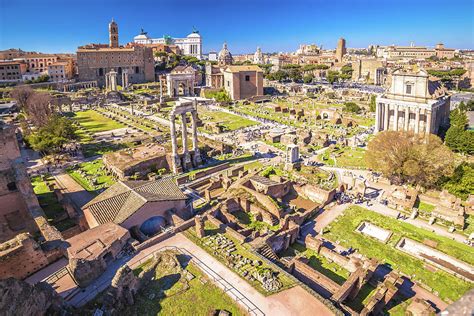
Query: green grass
(362,298)
(425,207)
(95,149)
(448,286)
(319,263)
(50,205)
(230,122)
(95,122)
(241,249)
(92,168)
(346,157)
(469,229)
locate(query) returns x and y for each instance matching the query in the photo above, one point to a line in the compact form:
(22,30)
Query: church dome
(153,225)
(225,57)
(193,35)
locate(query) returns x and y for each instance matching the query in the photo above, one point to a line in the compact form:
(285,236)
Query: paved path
(74,190)
(294,301)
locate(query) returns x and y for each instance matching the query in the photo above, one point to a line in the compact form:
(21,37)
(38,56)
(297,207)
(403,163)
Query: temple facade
(413,103)
(190,45)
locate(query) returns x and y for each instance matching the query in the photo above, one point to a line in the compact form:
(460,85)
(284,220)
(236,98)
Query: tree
(280,75)
(458,137)
(404,157)
(38,108)
(308,78)
(52,136)
(219,96)
(332,76)
(21,95)
(372,104)
(352,107)
(461,183)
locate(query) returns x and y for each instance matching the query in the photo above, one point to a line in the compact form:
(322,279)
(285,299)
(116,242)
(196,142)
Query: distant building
(12,70)
(258,57)
(413,103)
(61,71)
(191,45)
(341,49)
(414,52)
(212,56)
(369,71)
(94,61)
(243,82)
(225,57)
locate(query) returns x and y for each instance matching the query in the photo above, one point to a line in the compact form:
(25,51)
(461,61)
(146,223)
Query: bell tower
(113,34)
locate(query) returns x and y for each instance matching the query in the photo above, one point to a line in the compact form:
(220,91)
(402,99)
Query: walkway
(78,195)
(294,301)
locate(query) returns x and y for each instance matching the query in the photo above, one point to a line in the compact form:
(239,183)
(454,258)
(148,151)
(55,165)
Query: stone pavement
(74,190)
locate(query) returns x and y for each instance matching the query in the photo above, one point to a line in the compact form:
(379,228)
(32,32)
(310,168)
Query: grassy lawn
(362,298)
(469,229)
(93,172)
(448,286)
(196,297)
(95,149)
(231,122)
(425,207)
(345,157)
(241,249)
(50,205)
(95,122)
(319,263)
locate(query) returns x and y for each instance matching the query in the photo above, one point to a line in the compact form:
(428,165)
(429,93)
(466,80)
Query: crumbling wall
(22,256)
(21,298)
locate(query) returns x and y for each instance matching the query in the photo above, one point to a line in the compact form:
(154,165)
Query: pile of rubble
(249,269)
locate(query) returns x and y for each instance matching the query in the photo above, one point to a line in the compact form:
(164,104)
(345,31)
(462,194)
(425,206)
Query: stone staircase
(266,251)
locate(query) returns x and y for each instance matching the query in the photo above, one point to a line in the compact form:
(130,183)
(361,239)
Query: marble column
(428,122)
(417,121)
(386,116)
(184,135)
(197,155)
(395,118)
(407,118)
(377,118)
(174,146)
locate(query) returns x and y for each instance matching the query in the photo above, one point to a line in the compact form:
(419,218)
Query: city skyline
(273,26)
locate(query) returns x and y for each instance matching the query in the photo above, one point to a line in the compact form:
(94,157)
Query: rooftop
(123,199)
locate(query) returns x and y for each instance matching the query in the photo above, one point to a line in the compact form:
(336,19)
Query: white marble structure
(184,163)
(111,81)
(181,81)
(190,45)
(258,57)
(413,103)
(292,154)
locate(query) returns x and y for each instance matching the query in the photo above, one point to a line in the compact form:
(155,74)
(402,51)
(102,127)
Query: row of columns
(382,115)
(186,163)
(81,85)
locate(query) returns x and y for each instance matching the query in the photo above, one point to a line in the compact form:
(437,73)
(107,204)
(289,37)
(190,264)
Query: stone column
(428,122)
(197,155)
(107,82)
(174,146)
(386,116)
(395,118)
(417,121)
(407,118)
(184,135)
(377,118)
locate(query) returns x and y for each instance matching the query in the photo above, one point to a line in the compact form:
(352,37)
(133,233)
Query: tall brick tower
(113,34)
(341,49)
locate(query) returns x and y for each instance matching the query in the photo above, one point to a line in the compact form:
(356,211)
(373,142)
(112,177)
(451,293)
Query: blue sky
(278,25)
